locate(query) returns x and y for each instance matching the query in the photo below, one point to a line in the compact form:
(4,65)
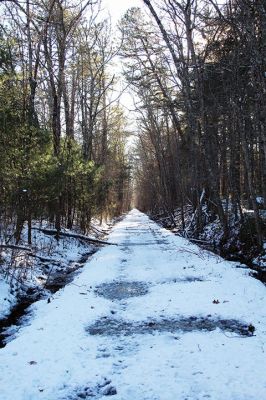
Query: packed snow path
(153,318)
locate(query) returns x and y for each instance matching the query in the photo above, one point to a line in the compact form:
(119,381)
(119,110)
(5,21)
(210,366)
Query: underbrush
(240,244)
(30,271)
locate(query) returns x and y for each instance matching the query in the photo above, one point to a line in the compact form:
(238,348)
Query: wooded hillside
(198,69)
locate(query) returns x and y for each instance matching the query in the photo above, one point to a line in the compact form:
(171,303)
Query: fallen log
(53,232)
(14,247)
(44,259)
(29,252)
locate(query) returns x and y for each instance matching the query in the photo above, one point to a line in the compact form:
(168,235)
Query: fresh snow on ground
(7,300)
(29,272)
(55,357)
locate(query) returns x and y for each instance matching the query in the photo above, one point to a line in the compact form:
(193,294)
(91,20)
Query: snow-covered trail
(139,322)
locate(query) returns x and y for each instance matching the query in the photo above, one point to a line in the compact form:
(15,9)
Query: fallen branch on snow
(184,250)
(14,247)
(43,259)
(53,232)
(28,251)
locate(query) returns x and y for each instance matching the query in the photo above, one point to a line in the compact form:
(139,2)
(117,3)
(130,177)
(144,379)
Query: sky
(118,7)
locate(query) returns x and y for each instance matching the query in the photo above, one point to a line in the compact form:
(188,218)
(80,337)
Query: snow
(28,272)
(55,358)
(7,300)
(260,200)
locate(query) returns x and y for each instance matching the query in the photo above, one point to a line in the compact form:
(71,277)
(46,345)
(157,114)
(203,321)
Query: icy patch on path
(119,290)
(113,327)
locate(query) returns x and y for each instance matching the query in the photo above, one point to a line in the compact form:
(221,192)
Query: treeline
(62,141)
(199,71)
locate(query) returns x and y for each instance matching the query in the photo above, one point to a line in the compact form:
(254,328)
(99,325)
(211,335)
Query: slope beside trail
(153,318)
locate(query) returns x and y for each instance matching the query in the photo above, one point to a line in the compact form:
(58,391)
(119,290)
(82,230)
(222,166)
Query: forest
(196,72)
(62,130)
(198,69)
